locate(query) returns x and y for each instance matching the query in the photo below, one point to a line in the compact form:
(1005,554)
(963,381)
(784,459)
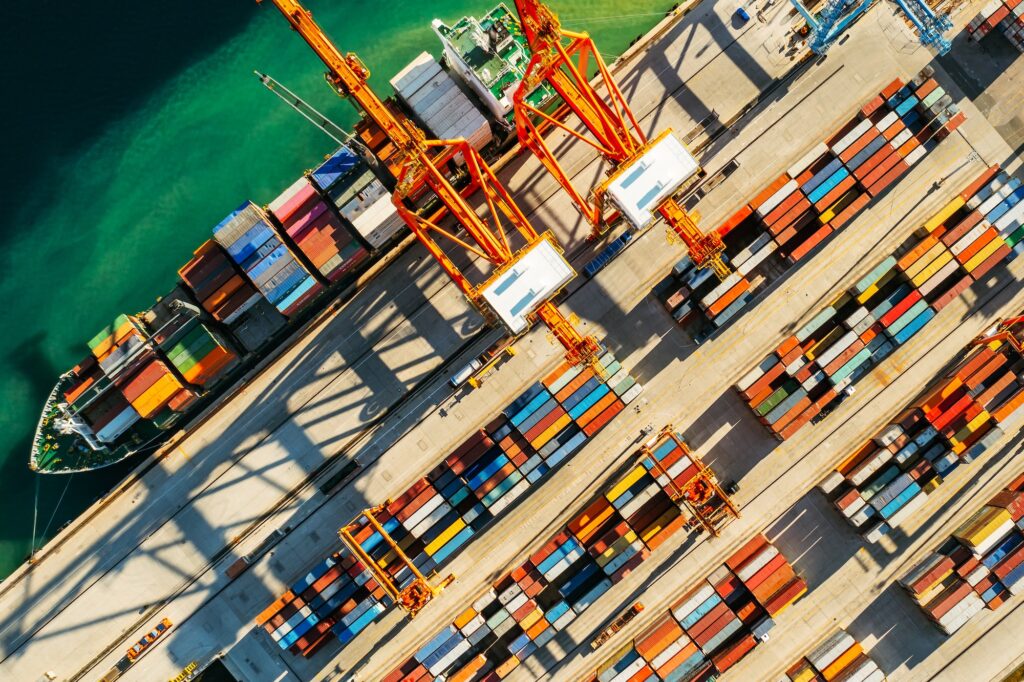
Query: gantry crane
(488,240)
(710,506)
(1007,331)
(564,58)
(420,165)
(838,15)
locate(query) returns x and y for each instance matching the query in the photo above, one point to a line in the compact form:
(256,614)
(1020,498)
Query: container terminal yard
(804,468)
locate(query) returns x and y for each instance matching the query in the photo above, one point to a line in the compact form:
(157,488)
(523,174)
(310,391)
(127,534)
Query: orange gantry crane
(564,58)
(521,261)
(1007,330)
(421,162)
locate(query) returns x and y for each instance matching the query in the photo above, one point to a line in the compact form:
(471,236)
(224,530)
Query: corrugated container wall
(360,197)
(436,99)
(251,242)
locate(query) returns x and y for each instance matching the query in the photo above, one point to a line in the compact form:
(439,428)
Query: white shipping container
(972,236)
(851,137)
(415,74)
(854,508)
(633,393)
(702,594)
(859,519)
(757,258)
(724,286)
(994,538)
(755,564)
(670,651)
(748,379)
(831,483)
(908,509)
(985,192)
(816,152)
(748,251)
(775,199)
(901,138)
(835,350)
(832,648)
(889,435)
(863,471)
(915,156)
(428,507)
(886,121)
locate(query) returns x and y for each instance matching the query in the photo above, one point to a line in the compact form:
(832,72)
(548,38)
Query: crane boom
(563,59)
(500,239)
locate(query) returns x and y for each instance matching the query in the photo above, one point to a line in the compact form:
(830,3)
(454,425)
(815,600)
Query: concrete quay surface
(160,551)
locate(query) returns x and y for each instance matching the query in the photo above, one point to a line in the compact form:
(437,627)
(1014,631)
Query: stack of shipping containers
(247,236)
(817,196)
(839,658)
(436,100)
(596,549)
(216,283)
(348,182)
(1005,15)
(316,230)
(981,565)
(438,515)
(229,297)
(713,625)
(133,366)
(961,244)
(953,422)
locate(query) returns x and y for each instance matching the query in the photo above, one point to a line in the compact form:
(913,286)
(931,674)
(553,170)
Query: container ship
(268,268)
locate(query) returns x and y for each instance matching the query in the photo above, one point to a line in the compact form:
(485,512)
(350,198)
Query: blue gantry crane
(838,15)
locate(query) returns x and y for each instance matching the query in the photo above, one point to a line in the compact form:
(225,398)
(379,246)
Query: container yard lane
(79,609)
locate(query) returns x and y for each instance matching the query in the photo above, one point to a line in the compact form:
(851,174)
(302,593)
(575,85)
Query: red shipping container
(905,304)
(849,212)
(744,553)
(570,388)
(768,191)
(952,293)
(859,144)
(785,596)
(890,177)
(977,245)
(863,170)
(995,259)
(810,243)
(835,194)
(658,637)
(986,177)
(732,653)
(734,220)
(966,224)
(603,419)
(892,88)
(788,203)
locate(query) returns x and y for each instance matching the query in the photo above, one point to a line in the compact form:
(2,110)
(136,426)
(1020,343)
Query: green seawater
(131,129)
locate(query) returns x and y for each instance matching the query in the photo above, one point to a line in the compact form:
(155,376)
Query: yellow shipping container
(506,667)
(932,268)
(626,483)
(615,548)
(826,342)
(465,617)
(977,529)
(531,619)
(873,289)
(449,532)
(926,259)
(156,396)
(660,524)
(805,675)
(839,665)
(980,257)
(551,431)
(940,217)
